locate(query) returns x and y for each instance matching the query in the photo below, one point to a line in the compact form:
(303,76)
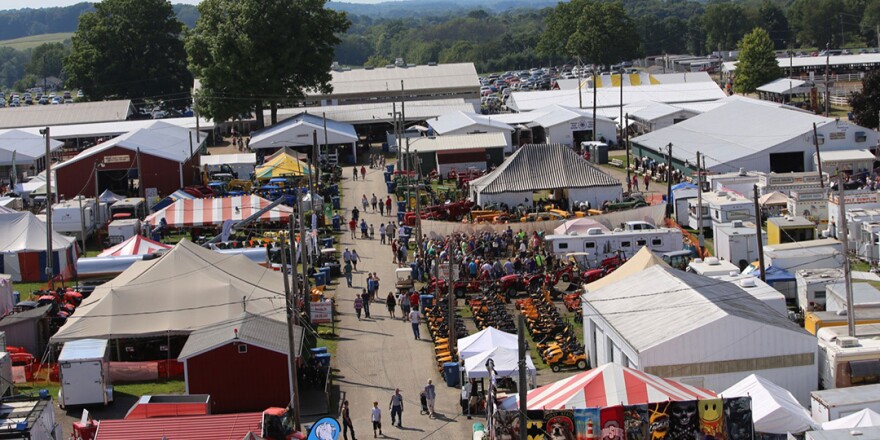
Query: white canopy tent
(774,409)
(862,419)
(506,365)
(27,147)
(485,340)
(109,196)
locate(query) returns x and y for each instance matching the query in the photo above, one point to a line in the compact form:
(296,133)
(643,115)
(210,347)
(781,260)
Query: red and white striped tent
(136,245)
(609,385)
(214,211)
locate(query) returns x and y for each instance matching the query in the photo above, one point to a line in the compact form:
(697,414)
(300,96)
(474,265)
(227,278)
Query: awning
(214,211)
(136,245)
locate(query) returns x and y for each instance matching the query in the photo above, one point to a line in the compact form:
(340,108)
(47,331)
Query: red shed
(242,363)
(161,156)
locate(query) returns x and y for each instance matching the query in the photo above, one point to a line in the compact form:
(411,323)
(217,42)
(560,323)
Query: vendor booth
(487,339)
(214,211)
(506,365)
(774,409)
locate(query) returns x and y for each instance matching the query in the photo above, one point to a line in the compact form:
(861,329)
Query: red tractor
(460,288)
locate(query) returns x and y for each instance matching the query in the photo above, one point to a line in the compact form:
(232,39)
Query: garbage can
(407,230)
(387,177)
(401,206)
(327,271)
(16,297)
(337,223)
(323,359)
(320,279)
(390,187)
(400,216)
(335,201)
(327,242)
(317,350)
(334,190)
(426,301)
(389,168)
(451,374)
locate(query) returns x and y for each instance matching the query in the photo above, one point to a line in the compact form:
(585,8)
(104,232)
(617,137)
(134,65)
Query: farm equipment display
(491,311)
(631,202)
(437,319)
(554,338)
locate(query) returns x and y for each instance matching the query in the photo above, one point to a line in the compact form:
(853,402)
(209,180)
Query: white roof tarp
(27,147)
(220,159)
(461,120)
(159,139)
(108,129)
(135,245)
(785,86)
(579,226)
(187,288)
(484,340)
(24,232)
(863,59)
(298,132)
(774,409)
(642,260)
(506,363)
(862,419)
(610,96)
(109,196)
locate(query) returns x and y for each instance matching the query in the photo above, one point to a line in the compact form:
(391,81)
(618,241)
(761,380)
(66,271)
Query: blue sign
(325,429)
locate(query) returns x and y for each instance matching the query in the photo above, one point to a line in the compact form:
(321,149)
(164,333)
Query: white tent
(5,294)
(862,419)
(579,226)
(485,340)
(27,147)
(774,409)
(506,365)
(109,196)
(187,288)
(23,248)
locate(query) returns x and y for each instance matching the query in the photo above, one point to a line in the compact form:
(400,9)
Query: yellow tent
(642,260)
(281,165)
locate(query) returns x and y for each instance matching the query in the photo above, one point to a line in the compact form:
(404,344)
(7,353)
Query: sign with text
(322,312)
(119,158)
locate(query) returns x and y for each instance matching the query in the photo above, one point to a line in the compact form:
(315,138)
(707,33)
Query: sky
(18,4)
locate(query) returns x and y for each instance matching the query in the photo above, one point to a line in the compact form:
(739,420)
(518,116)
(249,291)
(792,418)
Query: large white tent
(297,132)
(187,288)
(862,419)
(774,409)
(506,363)
(27,147)
(23,248)
(484,340)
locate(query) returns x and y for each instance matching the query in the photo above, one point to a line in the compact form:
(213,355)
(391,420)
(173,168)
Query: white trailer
(75,217)
(712,267)
(723,207)
(602,244)
(809,203)
(121,230)
(736,242)
(824,253)
(811,284)
(85,375)
(27,417)
(846,361)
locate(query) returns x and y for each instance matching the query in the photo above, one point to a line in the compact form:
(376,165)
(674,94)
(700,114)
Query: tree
(866,103)
(604,34)
(47,60)
(773,19)
(757,63)
(725,24)
(252,53)
(816,22)
(130,49)
(559,25)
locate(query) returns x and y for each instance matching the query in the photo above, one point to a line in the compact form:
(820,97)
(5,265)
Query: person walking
(404,306)
(364,202)
(347,270)
(372,232)
(647,181)
(365,300)
(355,213)
(355,173)
(391,303)
(396,407)
(381,208)
(430,396)
(414,320)
(358,305)
(382,232)
(364,229)
(374,201)
(388,205)
(346,422)
(376,418)
(635,183)
(354,259)
(352,227)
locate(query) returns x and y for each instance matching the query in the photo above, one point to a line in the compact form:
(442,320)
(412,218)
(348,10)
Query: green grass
(134,389)
(32,41)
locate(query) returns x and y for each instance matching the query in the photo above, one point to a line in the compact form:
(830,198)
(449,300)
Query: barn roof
(262,331)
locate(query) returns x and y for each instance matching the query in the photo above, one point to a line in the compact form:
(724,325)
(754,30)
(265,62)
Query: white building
(737,242)
(755,136)
(461,123)
(557,124)
(720,207)
(648,116)
(697,330)
(607,97)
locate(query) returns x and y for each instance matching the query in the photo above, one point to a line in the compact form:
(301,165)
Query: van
(131,208)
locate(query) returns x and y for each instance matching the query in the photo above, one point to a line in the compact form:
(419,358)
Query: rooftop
(258,330)
(65,114)
(380,111)
(209,427)
(610,96)
(458,120)
(415,80)
(457,142)
(158,139)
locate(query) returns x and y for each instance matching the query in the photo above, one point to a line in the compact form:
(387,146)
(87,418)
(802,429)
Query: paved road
(377,355)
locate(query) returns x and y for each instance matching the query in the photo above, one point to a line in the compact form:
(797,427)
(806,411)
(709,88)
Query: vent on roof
(733,273)
(847,342)
(712,261)
(742,171)
(737,223)
(594,231)
(747,282)
(389,66)
(722,193)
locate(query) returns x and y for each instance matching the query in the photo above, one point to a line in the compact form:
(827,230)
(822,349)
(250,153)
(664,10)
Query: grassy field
(134,389)
(30,42)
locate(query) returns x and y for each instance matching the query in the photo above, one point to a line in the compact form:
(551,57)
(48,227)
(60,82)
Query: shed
(790,229)
(28,329)
(555,168)
(241,362)
(697,330)
(160,155)
(481,151)
(856,161)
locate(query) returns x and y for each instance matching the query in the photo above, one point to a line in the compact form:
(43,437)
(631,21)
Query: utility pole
(760,234)
(306,289)
(196,114)
(843,236)
(292,320)
(669,183)
(522,389)
(48,159)
(621,112)
(82,221)
(700,204)
(414,162)
(626,147)
(326,144)
(396,133)
(450,299)
(827,76)
(580,84)
(818,157)
(594,104)
(312,175)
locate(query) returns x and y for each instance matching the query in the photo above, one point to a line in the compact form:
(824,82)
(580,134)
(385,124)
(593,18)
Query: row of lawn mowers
(490,310)
(554,338)
(437,320)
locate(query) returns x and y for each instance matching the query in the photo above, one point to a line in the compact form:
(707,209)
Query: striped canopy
(136,245)
(609,385)
(214,211)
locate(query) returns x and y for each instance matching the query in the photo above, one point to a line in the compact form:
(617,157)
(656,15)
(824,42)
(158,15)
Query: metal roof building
(298,131)
(379,112)
(550,167)
(459,151)
(697,330)
(753,135)
(66,114)
(813,63)
(610,96)
(460,123)
(434,81)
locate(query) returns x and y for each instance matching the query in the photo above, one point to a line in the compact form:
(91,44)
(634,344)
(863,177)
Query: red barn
(161,156)
(242,363)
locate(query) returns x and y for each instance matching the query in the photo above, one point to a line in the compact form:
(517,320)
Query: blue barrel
(324,359)
(400,216)
(326,270)
(337,223)
(334,190)
(451,374)
(390,187)
(16,297)
(389,168)
(387,177)
(317,350)
(335,201)
(407,230)
(327,242)
(401,206)
(426,301)
(320,278)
